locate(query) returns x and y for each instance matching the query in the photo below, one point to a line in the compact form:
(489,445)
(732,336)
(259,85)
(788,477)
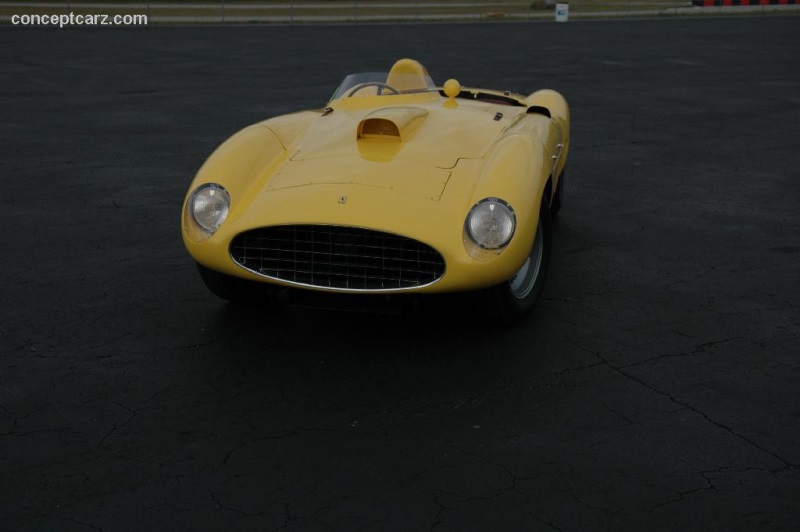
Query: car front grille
(342,258)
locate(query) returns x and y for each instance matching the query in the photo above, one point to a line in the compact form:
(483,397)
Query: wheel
(231,288)
(511,301)
(558,197)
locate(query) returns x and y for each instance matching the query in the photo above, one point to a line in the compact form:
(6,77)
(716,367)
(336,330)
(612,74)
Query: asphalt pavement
(655,387)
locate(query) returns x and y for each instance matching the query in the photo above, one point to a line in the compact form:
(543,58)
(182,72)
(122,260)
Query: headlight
(209,207)
(491,223)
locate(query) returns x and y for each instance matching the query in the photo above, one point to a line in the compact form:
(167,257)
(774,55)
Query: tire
(558,197)
(508,303)
(231,288)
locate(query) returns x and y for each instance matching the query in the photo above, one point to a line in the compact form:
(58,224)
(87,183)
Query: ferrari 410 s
(395,186)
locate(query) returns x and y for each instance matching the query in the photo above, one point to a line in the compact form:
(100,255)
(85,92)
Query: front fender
(516,171)
(238,164)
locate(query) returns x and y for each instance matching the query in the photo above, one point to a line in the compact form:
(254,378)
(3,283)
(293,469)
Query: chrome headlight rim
(505,209)
(214,189)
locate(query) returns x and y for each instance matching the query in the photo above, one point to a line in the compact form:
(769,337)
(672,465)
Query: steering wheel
(381,87)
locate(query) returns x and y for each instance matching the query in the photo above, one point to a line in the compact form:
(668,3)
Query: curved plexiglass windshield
(382,84)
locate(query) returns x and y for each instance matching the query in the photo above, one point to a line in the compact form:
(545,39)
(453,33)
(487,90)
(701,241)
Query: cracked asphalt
(654,388)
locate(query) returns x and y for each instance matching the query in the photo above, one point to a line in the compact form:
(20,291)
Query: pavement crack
(221,506)
(89,525)
(687,405)
(15,424)
(274,437)
(287,517)
(441,508)
(129,410)
(588,506)
(567,371)
(618,414)
(117,425)
(702,348)
(109,433)
(682,495)
(545,522)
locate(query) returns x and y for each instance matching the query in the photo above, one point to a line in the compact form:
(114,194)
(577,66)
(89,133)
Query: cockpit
(407,76)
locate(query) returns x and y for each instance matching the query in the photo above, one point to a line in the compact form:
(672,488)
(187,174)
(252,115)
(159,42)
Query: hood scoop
(393,124)
(430,136)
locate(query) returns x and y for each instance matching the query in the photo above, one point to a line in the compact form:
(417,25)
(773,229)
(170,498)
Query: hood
(428,135)
(410,149)
(399,175)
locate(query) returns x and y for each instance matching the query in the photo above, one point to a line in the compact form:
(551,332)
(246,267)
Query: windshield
(383,84)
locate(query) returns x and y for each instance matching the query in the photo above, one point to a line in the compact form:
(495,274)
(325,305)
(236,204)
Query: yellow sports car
(396,186)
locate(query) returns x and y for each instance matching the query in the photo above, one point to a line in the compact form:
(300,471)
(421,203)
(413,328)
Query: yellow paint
(407,74)
(452,88)
(294,169)
(391,123)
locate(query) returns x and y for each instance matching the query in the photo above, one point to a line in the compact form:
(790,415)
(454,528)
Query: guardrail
(320,11)
(743,3)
